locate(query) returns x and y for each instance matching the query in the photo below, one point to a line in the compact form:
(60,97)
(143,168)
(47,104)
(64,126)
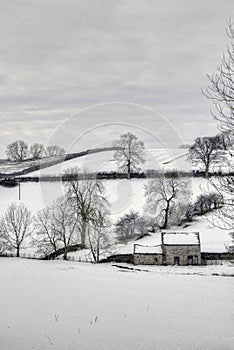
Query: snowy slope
(157,159)
(123,196)
(8,167)
(164,159)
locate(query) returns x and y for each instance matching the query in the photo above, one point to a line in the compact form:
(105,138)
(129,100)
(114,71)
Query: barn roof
(143,249)
(181,238)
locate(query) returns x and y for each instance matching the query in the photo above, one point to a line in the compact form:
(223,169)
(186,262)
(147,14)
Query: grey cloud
(57,57)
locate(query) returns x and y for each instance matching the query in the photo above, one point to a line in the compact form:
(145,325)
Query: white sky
(60,56)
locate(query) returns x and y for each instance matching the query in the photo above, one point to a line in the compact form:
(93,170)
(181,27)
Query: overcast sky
(60,57)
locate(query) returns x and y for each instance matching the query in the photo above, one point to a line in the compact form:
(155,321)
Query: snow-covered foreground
(58,305)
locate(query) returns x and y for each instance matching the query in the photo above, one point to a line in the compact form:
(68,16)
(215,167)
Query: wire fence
(42,257)
(215,262)
(80,259)
(22,255)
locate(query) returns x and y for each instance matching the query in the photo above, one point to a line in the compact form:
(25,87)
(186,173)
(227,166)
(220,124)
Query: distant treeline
(106,175)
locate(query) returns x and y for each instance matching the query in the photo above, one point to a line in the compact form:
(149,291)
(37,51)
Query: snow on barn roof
(181,238)
(143,249)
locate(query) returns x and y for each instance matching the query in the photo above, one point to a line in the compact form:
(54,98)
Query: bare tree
(206,150)
(3,242)
(36,150)
(16,225)
(181,212)
(98,234)
(65,222)
(54,151)
(86,194)
(46,236)
(17,151)
(226,140)
(130,153)
(56,227)
(221,92)
(163,195)
(221,88)
(223,215)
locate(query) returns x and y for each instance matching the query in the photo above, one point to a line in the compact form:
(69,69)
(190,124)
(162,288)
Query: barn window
(190,260)
(176,260)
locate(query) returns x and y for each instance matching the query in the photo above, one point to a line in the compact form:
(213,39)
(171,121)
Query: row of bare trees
(19,151)
(80,216)
(212,150)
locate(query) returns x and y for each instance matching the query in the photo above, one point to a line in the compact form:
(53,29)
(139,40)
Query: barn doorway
(176,260)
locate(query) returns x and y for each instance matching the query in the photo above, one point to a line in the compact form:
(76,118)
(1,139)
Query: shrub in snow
(130,225)
(208,202)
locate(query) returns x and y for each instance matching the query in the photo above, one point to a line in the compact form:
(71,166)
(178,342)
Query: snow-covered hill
(159,159)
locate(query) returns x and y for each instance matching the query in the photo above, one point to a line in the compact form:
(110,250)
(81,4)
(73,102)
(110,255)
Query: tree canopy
(130,153)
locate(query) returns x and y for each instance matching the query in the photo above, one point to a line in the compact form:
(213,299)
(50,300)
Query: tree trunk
(207,171)
(65,253)
(91,247)
(83,233)
(18,251)
(129,169)
(164,226)
(98,250)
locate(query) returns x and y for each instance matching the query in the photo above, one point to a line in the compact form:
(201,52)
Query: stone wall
(217,256)
(125,258)
(147,259)
(181,251)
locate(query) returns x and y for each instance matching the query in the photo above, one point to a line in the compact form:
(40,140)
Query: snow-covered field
(62,305)
(164,159)
(157,159)
(9,167)
(123,195)
(160,159)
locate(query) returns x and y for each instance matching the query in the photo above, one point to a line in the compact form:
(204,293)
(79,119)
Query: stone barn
(176,248)
(181,248)
(147,255)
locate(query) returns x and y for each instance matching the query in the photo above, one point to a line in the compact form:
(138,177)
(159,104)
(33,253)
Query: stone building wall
(147,259)
(181,251)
